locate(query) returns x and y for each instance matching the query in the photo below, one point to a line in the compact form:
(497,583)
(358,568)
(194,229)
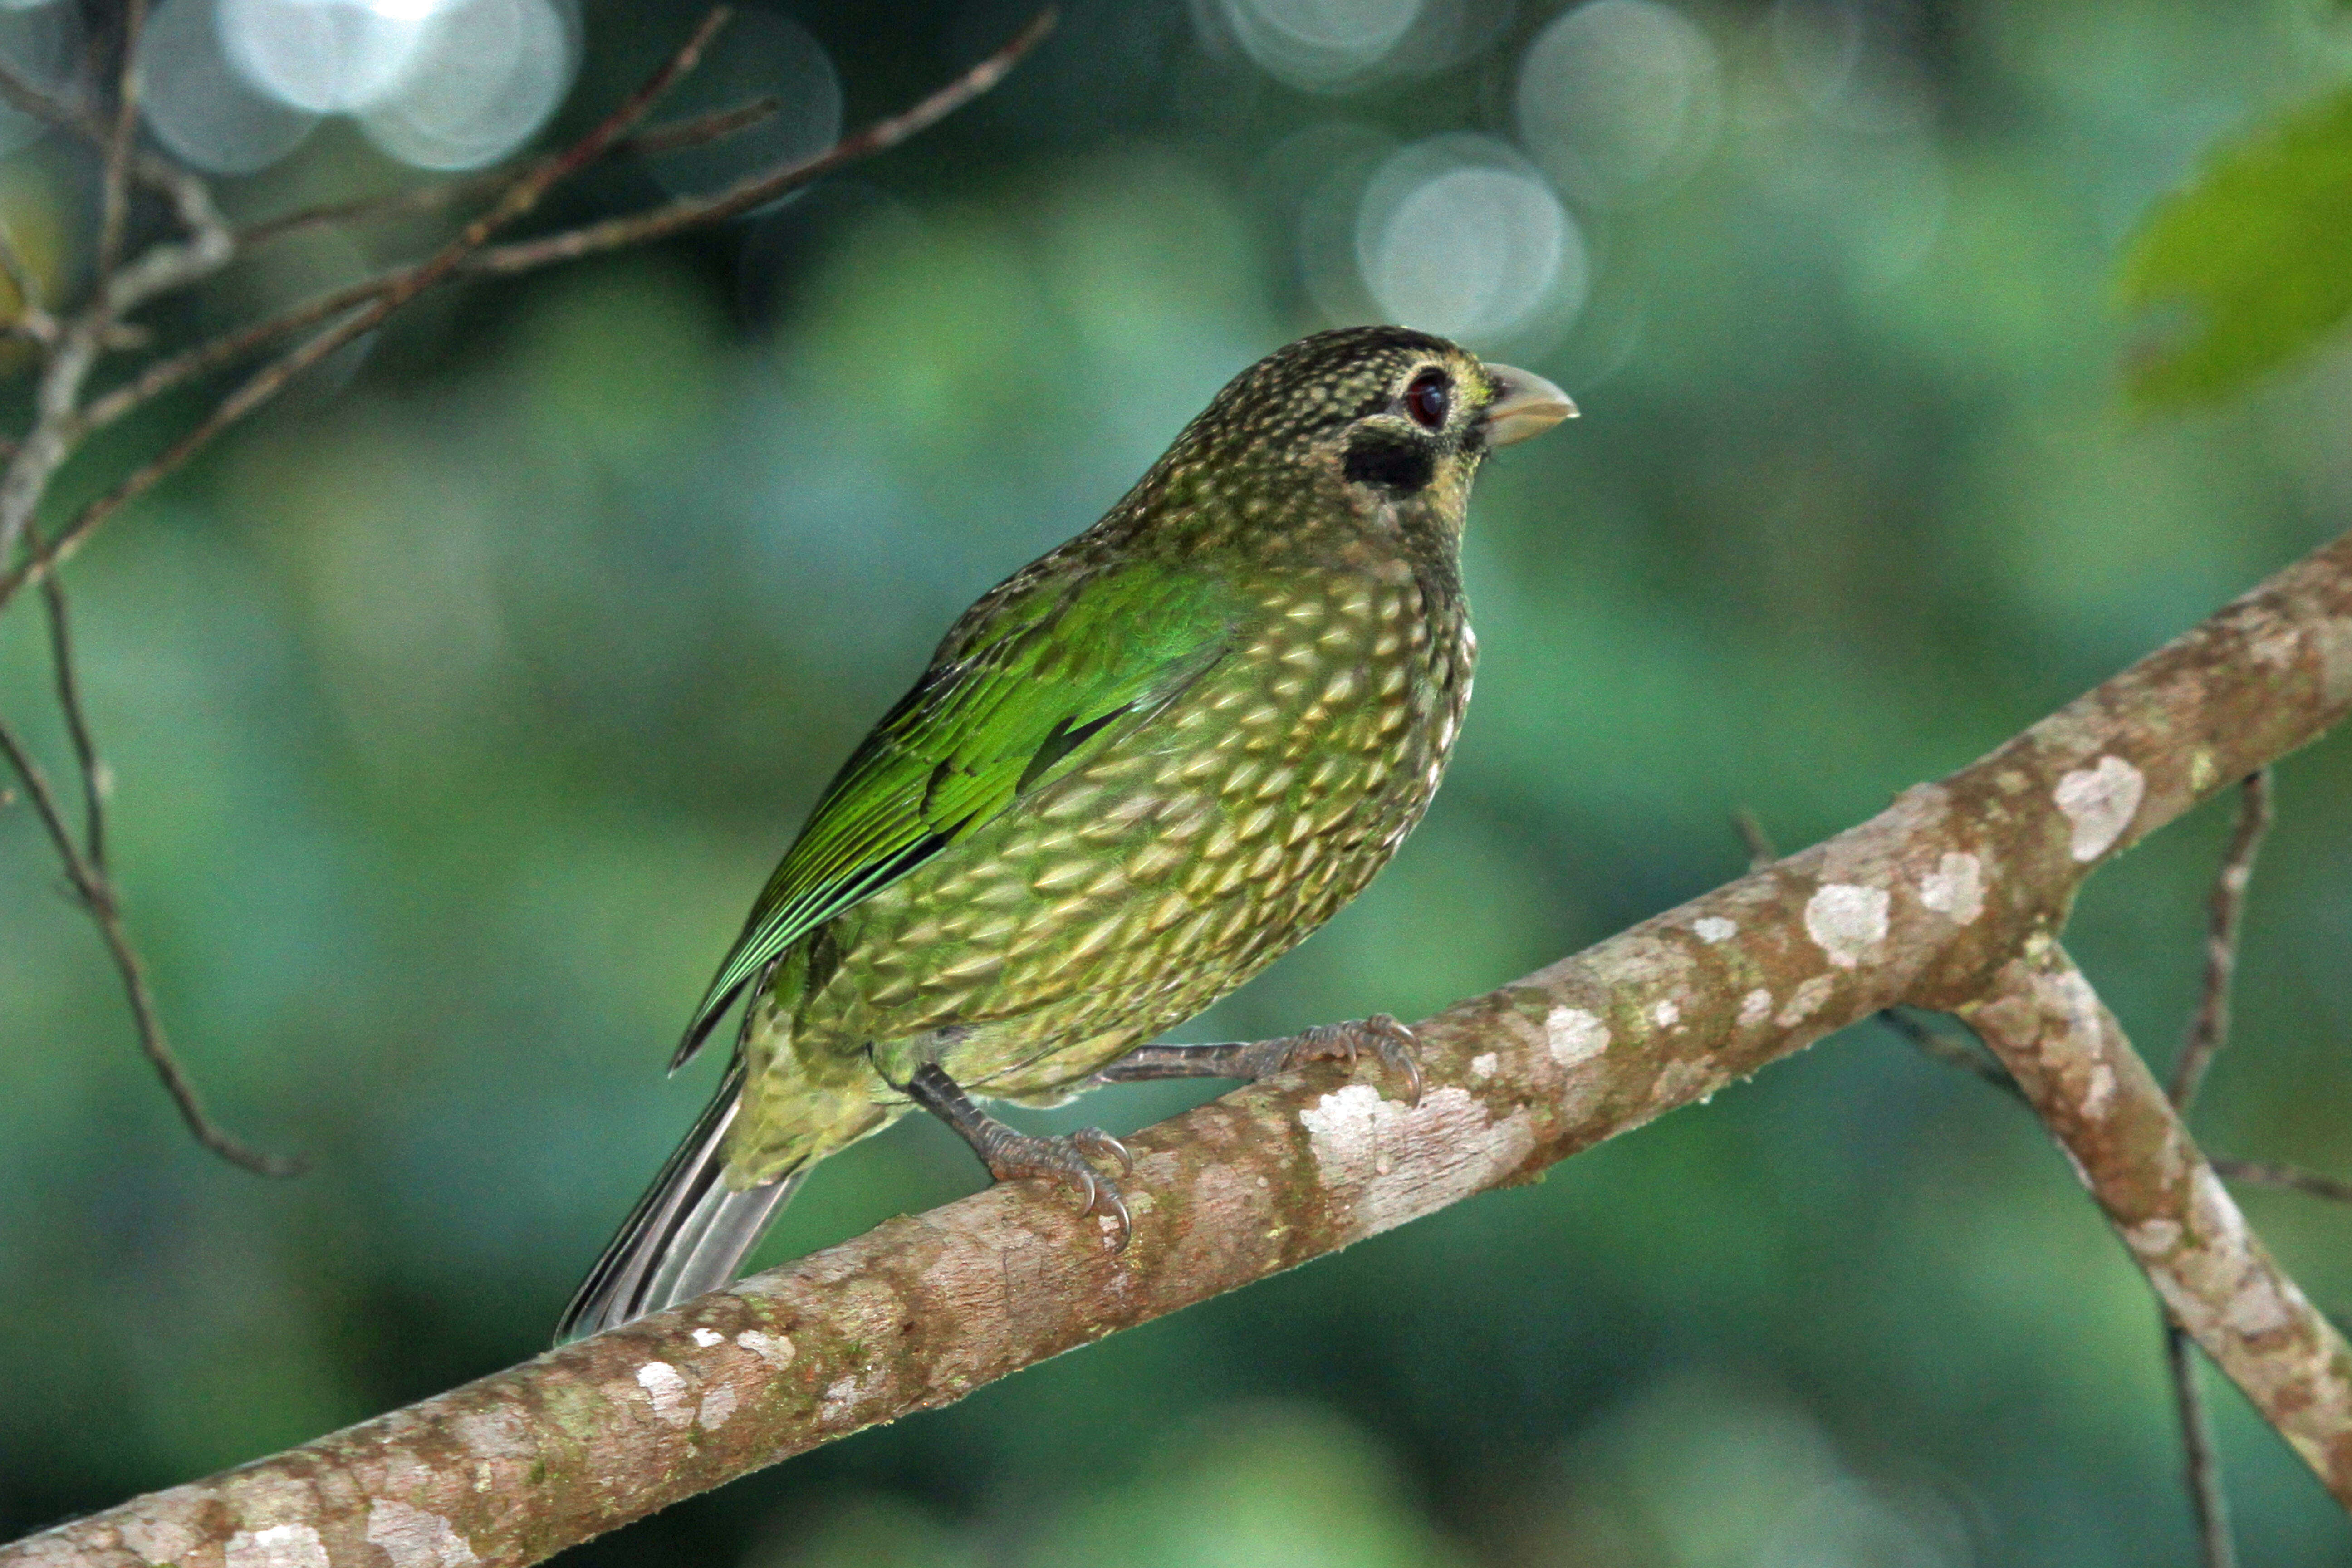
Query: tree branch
(56,421)
(2132,1152)
(93,768)
(217,353)
(2270,1174)
(1945,900)
(96,894)
(2225,911)
(1936,1045)
(521,196)
(434,195)
(2208,1499)
(403,283)
(114,188)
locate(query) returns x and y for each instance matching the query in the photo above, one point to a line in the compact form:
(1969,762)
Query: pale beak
(1525,406)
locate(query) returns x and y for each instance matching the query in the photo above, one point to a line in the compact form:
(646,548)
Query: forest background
(458,706)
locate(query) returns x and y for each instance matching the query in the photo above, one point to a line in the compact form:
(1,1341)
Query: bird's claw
(1391,1041)
(1066,1159)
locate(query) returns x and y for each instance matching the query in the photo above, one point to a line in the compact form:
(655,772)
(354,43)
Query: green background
(459,706)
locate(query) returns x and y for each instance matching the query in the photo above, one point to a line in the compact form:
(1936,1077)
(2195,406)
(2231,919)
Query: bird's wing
(1029,687)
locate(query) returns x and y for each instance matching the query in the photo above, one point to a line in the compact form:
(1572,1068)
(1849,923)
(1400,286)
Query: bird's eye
(1428,398)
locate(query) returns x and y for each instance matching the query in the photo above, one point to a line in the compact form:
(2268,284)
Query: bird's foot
(1253,1059)
(1068,1157)
(1008,1152)
(1393,1043)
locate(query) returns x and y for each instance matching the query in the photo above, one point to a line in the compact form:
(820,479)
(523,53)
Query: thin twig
(92,767)
(2208,1499)
(1750,828)
(760,190)
(161,268)
(155,171)
(219,352)
(91,888)
(700,131)
(114,203)
(2271,1173)
(25,99)
(521,196)
(419,200)
(86,885)
(2225,911)
(1935,1044)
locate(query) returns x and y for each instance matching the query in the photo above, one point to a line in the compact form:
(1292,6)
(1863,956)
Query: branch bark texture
(2133,1152)
(1950,899)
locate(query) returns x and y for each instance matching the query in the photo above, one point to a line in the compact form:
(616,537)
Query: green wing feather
(1031,684)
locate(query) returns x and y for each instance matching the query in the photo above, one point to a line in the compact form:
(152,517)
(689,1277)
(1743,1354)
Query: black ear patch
(1393,463)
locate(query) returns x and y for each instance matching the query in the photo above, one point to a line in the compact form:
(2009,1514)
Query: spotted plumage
(1136,771)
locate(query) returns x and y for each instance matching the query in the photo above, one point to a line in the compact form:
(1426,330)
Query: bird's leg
(1008,1152)
(1254,1059)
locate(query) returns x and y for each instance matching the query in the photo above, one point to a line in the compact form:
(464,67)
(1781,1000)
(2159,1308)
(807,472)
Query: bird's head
(1391,423)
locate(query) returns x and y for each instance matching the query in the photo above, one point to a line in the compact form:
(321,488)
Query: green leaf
(2251,265)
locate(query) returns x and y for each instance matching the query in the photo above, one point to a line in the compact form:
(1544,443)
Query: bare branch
(53,821)
(220,352)
(2179,1224)
(94,779)
(2270,1174)
(439,195)
(614,234)
(1933,1043)
(27,100)
(56,423)
(1752,832)
(2225,911)
(2209,1502)
(91,888)
(923,1311)
(521,196)
(700,131)
(114,189)
(229,348)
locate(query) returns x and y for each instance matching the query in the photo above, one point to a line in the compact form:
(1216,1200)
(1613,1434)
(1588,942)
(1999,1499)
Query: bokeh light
(486,74)
(1845,64)
(1320,45)
(200,106)
(234,85)
(323,56)
(1618,99)
(1459,235)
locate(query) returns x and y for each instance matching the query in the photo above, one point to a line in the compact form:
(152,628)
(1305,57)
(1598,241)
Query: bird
(1134,773)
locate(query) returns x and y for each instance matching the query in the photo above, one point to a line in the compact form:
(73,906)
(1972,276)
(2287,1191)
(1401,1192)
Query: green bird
(1137,772)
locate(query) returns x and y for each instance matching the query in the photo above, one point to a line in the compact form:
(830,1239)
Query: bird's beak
(1526,405)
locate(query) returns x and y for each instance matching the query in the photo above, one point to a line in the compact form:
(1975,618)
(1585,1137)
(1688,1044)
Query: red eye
(1428,398)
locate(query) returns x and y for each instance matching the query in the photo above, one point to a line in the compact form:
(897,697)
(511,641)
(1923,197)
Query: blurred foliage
(2257,255)
(459,707)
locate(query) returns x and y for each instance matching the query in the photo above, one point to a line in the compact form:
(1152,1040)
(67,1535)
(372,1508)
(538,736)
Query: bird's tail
(688,1235)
